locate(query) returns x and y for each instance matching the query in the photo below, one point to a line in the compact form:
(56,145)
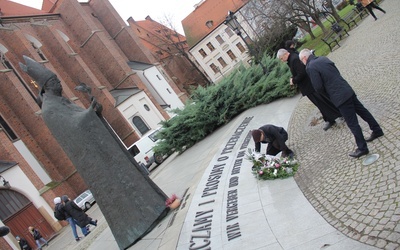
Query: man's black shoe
(328,125)
(358,153)
(374,135)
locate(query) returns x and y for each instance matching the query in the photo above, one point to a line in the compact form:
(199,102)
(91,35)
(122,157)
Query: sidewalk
(333,202)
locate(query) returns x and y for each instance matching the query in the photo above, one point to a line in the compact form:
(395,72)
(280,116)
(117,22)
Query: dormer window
(209,24)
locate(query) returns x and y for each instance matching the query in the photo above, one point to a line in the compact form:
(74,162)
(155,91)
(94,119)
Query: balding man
(326,78)
(300,78)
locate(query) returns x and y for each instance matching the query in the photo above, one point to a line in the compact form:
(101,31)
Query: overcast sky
(176,10)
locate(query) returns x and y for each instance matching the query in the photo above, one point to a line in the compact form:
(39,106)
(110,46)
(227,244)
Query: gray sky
(176,10)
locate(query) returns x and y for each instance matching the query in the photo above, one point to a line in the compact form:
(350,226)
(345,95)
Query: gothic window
(37,49)
(9,67)
(140,125)
(66,39)
(36,45)
(9,132)
(5,62)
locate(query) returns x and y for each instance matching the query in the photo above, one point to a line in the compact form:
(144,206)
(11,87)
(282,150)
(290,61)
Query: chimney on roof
(198,4)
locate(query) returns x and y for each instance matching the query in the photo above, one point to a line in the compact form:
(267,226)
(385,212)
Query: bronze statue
(131,203)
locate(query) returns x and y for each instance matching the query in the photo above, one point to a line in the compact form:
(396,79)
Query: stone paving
(360,201)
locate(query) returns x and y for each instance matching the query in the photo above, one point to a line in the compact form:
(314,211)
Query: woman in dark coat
(81,218)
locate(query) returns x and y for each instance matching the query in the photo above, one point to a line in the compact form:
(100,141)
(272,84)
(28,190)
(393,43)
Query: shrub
(213,106)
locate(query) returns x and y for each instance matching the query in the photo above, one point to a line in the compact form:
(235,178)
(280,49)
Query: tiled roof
(4,165)
(121,95)
(153,36)
(212,11)
(9,8)
(48,4)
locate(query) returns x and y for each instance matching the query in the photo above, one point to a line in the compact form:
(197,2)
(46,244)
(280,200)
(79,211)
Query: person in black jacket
(300,78)
(275,137)
(37,237)
(80,217)
(59,207)
(325,77)
(23,244)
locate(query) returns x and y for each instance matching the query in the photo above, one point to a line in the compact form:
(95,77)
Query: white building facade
(220,52)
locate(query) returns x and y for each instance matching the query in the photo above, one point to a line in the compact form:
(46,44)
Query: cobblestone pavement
(360,201)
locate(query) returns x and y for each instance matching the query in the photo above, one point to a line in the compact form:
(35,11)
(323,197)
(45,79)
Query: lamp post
(232,22)
(6,184)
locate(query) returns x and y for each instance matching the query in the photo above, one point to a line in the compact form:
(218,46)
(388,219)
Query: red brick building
(170,49)
(80,42)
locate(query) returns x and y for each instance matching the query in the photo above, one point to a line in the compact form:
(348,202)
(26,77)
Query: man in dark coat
(80,217)
(325,77)
(60,207)
(300,78)
(23,244)
(275,137)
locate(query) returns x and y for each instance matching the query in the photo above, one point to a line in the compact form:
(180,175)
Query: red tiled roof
(215,11)
(48,4)
(153,36)
(9,8)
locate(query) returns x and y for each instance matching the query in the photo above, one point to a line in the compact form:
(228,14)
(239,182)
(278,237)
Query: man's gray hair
(281,52)
(305,53)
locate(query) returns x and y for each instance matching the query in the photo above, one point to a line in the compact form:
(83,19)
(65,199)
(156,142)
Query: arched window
(66,40)
(4,63)
(11,202)
(36,45)
(9,132)
(140,125)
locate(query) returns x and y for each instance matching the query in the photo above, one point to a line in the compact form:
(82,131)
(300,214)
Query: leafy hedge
(213,106)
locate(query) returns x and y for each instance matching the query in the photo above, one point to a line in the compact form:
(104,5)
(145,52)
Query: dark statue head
(45,78)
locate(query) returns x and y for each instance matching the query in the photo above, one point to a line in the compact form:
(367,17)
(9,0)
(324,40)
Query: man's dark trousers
(350,109)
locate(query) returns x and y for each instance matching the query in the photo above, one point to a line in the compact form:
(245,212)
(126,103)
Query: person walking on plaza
(23,244)
(369,4)
(80,217)
(325,77)
(37,237)
(60,214)
(300,78)
(275,137)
